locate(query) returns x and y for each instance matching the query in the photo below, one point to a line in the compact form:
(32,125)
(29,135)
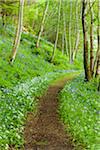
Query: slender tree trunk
(77,33)
(63,32)
(95,62)
(76,45)
(65,36)
(42,24)
(86,65)
(91,40)
(97,75)
(70,27)
(98,67)
(18,32)
(63,45)
(57,34)
(98,38)
(66,44)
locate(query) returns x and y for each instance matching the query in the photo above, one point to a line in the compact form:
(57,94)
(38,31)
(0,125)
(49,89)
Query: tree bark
(64,30)
(98,67)
(91,40)
(98,38)
(70,27)
(86,65)
(57,34)
(18,32)
(98,50)
(65,36)
(77,33)
(63,44)
(42,24)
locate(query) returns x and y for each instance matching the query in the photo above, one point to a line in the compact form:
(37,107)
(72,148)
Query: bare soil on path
(45,131)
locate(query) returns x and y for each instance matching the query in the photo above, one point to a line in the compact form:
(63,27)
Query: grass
(24,81)
(79,110)
(30,61)
(15,104)
(68,75)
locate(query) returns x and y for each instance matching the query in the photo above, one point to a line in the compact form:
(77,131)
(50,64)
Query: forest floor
(45,131)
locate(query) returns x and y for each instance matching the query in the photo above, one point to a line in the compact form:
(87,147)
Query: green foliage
(30,61)
(24,81)
(15,103)
(26,65)
(79,109)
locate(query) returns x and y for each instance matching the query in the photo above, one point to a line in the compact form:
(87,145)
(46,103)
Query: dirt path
(45,131)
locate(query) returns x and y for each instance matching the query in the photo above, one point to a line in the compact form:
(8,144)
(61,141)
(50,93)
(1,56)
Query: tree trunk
(65,36)
(97,75)
(77,33)
(18,32)
(91,40)
(42,24)
(66,44)
(86,66)
(63,45)
(64,30)
(76,45)
(98,38)
(70,27)
(98,67)
(57,34)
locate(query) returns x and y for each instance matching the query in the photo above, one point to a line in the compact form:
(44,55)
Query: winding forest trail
(45,131)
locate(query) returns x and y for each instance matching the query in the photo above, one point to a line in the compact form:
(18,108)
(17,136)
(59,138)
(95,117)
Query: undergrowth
(79,109)
(30,61)
(24,81)
(15,103)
